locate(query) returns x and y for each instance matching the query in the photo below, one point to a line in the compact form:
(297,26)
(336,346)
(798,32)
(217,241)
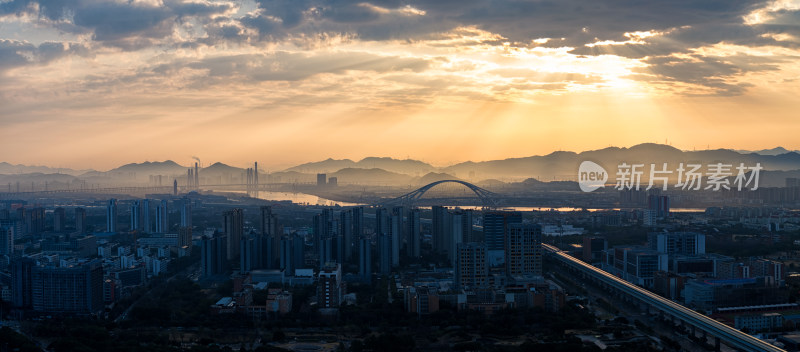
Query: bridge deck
(732,336)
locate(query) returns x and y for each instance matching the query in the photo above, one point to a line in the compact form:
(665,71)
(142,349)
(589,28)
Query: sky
(96,84)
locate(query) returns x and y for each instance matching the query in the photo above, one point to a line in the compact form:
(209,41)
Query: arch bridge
(487,198)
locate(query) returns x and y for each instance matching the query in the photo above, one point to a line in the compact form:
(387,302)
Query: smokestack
(196,176)
(255,178)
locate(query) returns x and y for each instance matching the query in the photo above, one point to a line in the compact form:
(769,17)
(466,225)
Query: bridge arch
(487,198)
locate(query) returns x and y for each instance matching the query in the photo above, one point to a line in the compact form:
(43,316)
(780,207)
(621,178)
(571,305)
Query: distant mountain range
(778,164)
(7,169)
(773,151)
(564,165)
(408,166)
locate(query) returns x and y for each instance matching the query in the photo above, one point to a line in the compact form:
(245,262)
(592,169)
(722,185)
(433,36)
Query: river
(310,199)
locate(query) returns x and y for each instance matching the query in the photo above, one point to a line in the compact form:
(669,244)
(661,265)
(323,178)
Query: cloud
(716,75)
(130,25)
(653,33)
(15,53)
(287,66)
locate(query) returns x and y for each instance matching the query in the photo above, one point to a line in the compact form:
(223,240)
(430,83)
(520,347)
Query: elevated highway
(731,336)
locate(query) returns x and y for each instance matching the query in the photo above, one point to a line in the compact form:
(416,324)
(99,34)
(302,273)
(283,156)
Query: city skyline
(91,84)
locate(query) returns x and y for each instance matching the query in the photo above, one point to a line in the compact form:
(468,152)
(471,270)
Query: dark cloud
(112,21)
(715,74)
(351,13)
(122,24)
(579,22)
(15,54)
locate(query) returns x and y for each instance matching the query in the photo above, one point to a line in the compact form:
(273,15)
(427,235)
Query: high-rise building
(467,220)
(330,287)
(346,232)
(21,282)
(6,241)
(286,253)
(524,250)
(685,243)
(381,221)
(15,226)
(385,250)
(185,238)
(34,220)
(213,255)
(460,232)
(249,254)
(365,259)
(289,258)
(272,233)
(495,224)
(73,289)
(323,225)
(398,219)
(136,215)
(338,243)
(472,268)
(440,228)
(658,204)
(162,217)
(455,237)
(21,215)
(269,222)
(358,222)
(325,249)
(298,246)
(80,220)
(291,254)
(329,246)
(267,256)
(146,227)
(233,224)
(414,234)
(322,180)
(186,213)
(111,215)
(396,234)
(59,220)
